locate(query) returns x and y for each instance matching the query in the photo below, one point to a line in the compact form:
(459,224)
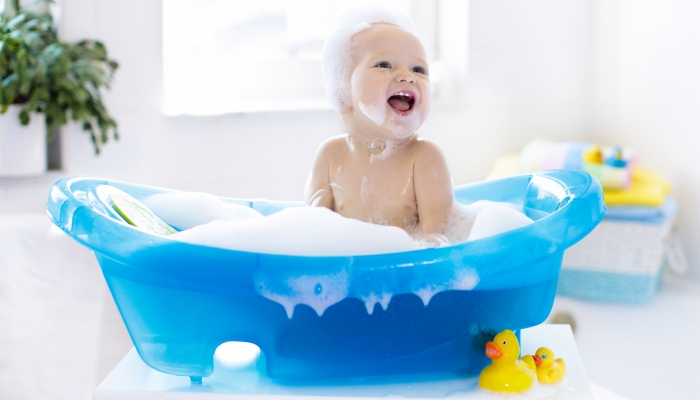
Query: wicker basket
(621,261)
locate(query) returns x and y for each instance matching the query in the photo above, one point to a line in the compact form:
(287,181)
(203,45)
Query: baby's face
(390,89)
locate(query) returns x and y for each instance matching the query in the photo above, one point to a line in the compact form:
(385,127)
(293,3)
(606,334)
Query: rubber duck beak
(538,360)
(492,351)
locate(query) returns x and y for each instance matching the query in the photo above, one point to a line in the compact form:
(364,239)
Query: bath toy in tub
(133,211)
(435,309)
(507,373)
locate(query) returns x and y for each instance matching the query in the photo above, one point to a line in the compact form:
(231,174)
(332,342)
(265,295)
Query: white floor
(644,351)
(60,333)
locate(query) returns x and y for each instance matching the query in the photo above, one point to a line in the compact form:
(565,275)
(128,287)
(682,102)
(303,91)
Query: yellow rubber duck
(593,155)
(532,362)
(549,370)
(506,374)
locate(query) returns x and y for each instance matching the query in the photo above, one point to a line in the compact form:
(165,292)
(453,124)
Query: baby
(381,171)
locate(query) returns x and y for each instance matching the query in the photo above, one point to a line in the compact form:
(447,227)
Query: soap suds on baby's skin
(375,112)
(364,190)
(391,146)
(404,191)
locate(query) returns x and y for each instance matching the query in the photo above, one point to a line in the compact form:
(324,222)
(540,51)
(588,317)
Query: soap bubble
(390,147)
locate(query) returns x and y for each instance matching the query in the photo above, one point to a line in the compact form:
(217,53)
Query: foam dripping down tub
(420,311)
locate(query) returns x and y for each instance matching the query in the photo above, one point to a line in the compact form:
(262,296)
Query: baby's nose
(405,77)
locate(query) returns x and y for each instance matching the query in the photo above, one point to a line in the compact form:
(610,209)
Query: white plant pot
(22,148)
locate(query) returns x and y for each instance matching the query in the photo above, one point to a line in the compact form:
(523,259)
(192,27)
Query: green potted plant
(41,76)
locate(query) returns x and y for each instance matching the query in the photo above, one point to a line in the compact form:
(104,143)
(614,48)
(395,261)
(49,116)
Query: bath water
(345,340)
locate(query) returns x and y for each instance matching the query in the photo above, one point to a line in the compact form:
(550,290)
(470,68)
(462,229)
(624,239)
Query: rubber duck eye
(544,356)
(504,342)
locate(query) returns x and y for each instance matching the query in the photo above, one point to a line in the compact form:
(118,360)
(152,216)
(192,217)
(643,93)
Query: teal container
(180,301)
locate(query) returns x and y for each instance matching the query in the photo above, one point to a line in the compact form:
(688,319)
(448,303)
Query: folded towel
(651,215)
(647,188)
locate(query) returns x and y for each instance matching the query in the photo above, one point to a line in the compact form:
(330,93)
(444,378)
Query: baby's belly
(403,216)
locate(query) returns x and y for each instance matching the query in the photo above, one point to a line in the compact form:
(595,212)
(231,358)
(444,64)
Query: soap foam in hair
(337,59)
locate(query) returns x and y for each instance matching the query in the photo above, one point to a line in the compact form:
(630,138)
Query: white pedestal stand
(134,380)
(22,148)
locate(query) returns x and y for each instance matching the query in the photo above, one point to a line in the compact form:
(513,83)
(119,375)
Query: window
(222,56)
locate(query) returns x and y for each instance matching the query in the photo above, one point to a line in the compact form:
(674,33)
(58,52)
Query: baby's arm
(433,187)
(318,192)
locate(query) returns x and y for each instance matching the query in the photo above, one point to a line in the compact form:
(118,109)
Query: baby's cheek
(425,107)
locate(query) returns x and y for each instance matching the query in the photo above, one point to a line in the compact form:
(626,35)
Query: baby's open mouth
(401,101)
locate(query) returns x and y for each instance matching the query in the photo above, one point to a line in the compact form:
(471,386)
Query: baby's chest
(389,189)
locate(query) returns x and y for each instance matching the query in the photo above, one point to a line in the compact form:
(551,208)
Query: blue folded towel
(651,215)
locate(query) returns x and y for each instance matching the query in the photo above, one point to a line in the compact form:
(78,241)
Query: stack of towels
(623,258)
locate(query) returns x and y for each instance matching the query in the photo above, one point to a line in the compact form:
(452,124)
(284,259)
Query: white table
(242,376)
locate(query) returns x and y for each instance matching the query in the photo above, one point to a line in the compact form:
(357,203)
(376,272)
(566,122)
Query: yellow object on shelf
(648,188)
(594,155)
(506,374)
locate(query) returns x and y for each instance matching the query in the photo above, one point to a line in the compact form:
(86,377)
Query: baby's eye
(418,70)
(383,64)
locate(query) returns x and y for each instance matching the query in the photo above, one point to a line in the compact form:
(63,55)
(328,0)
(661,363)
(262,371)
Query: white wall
(647,80)
(512,96)
(529,76)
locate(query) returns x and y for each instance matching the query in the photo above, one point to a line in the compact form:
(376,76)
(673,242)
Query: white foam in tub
(316,231)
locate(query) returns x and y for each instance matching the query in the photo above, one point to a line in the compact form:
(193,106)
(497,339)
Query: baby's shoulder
(424,149)
(334,143)
(332,146)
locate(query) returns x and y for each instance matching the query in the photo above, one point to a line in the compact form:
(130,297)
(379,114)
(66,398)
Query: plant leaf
(58,79)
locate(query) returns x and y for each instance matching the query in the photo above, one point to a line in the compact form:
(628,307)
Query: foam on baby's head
(338,62)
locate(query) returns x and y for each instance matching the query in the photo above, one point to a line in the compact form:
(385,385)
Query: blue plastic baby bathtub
(181,301)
